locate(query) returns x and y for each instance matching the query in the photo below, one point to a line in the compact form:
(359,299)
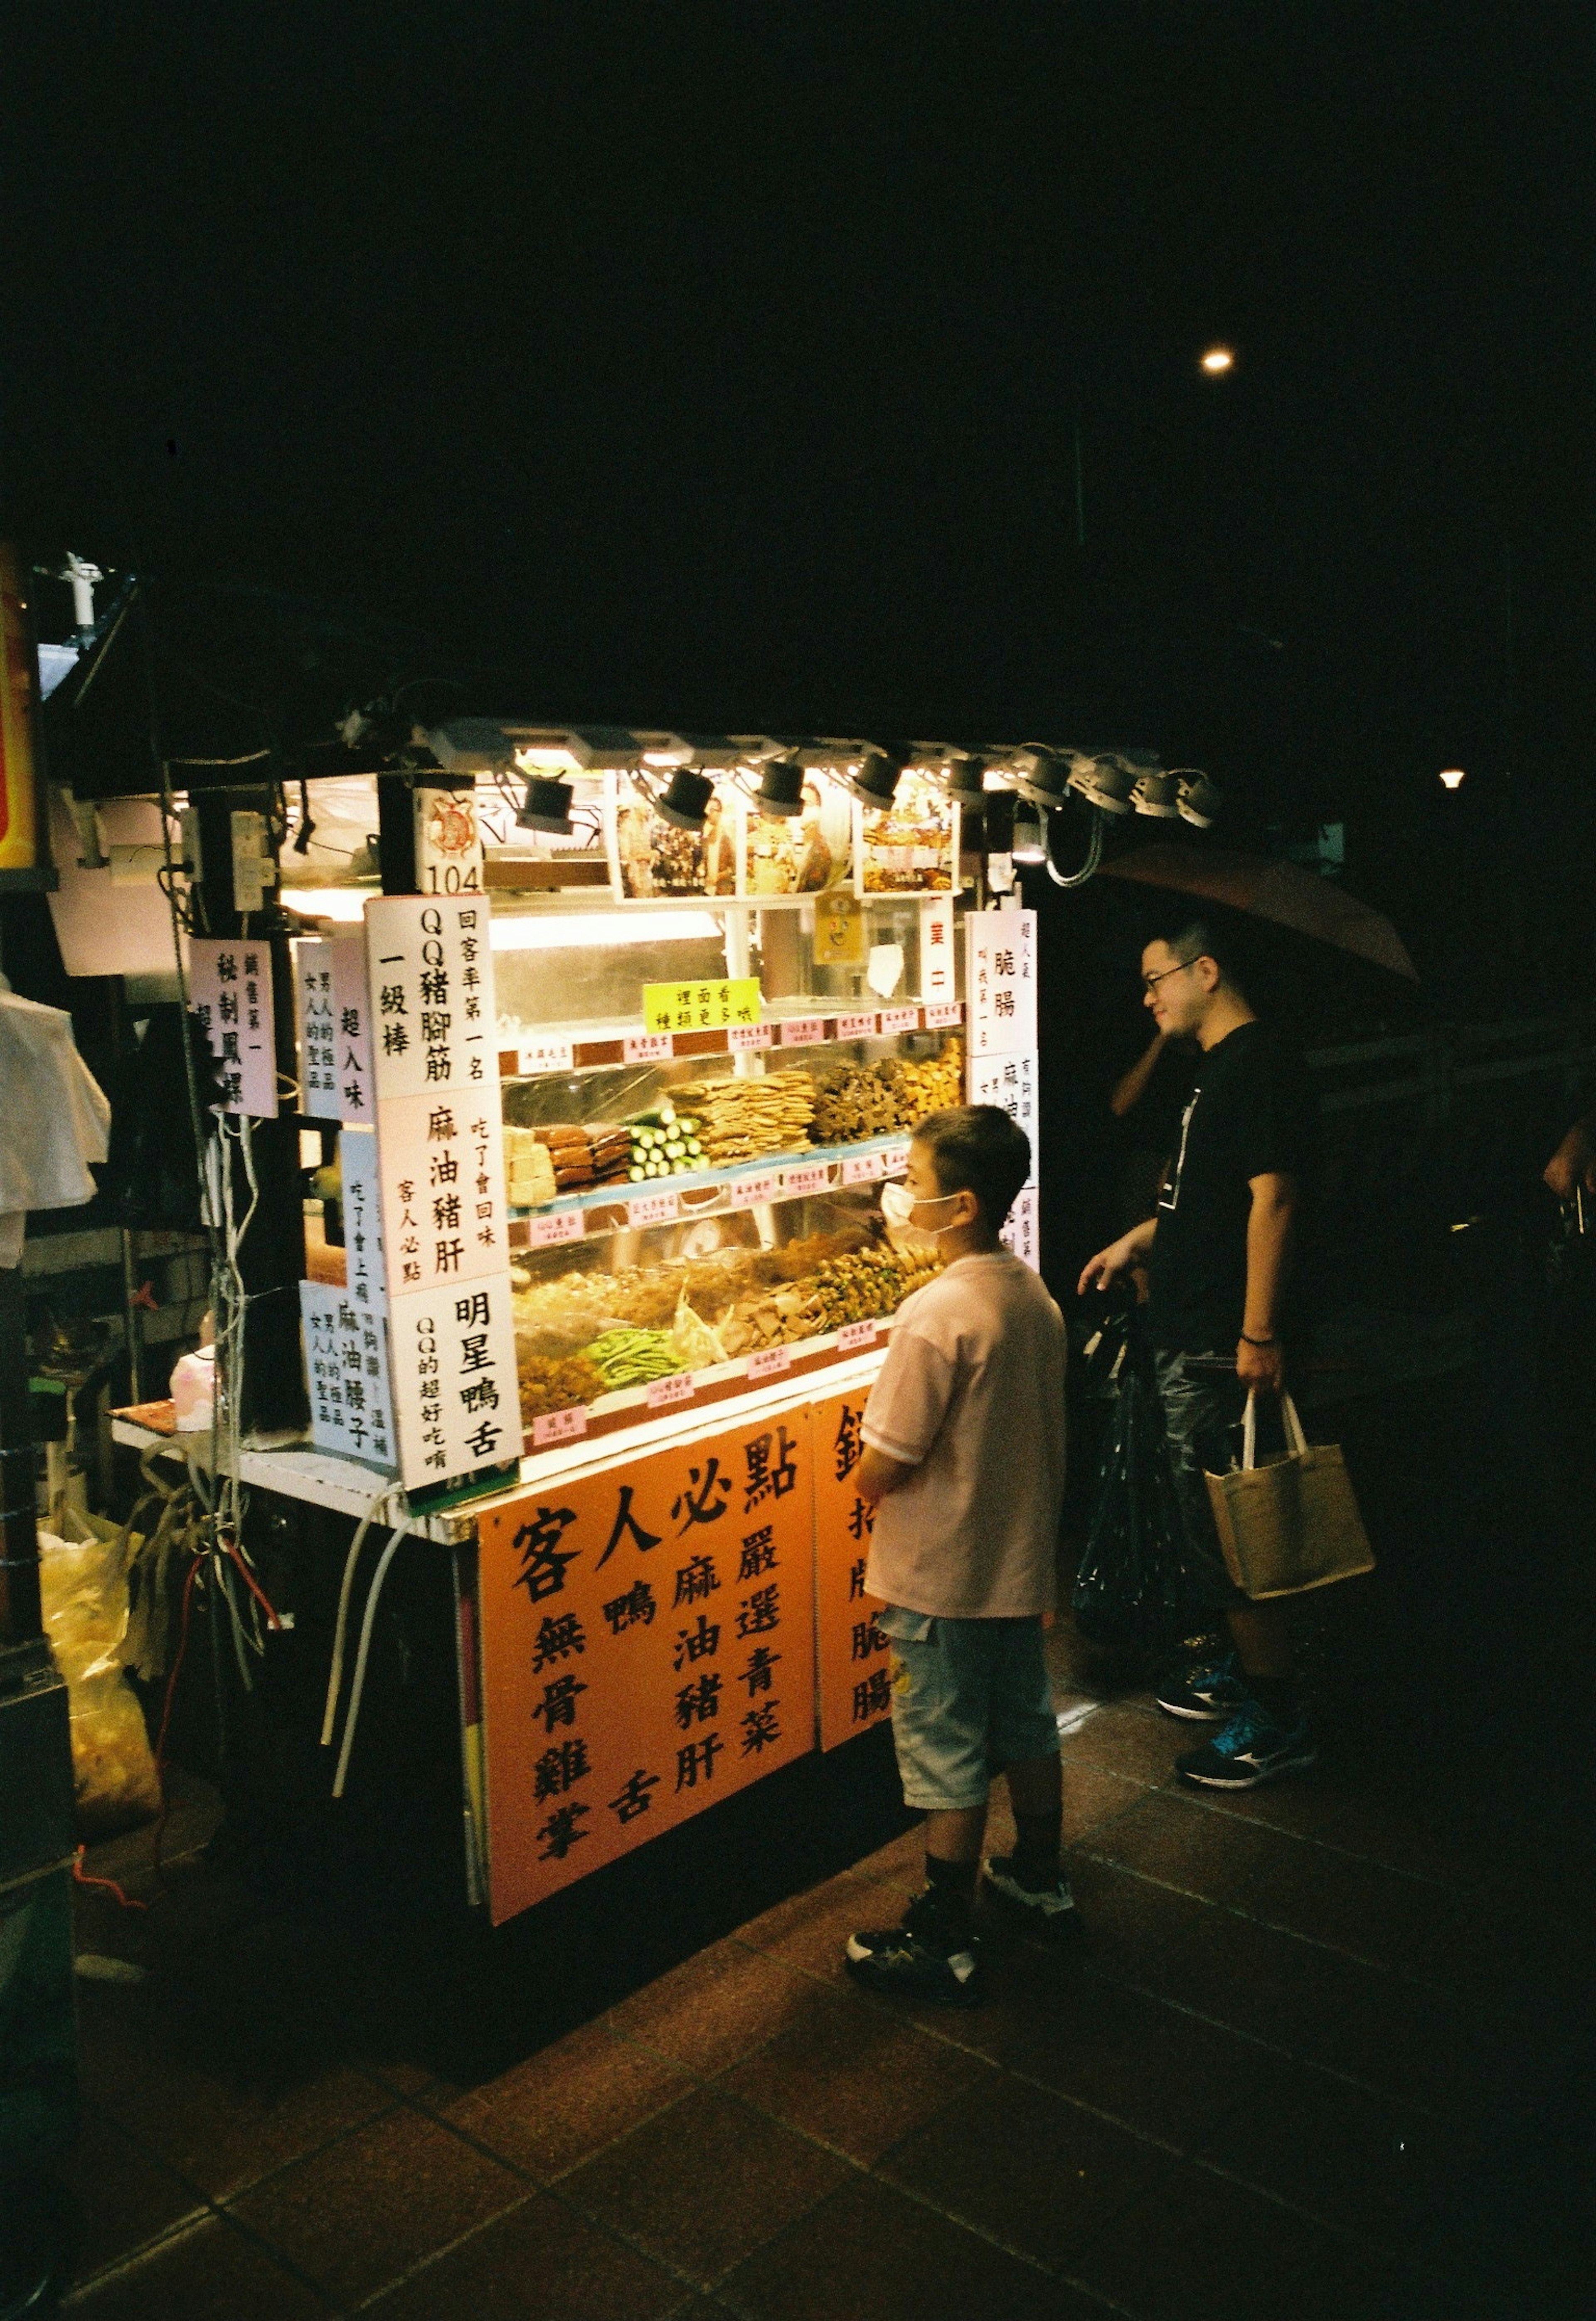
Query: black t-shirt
(1253,1113)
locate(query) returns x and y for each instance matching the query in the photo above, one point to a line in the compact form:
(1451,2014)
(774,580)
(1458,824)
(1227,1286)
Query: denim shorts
(968,1697)
(1201,1421)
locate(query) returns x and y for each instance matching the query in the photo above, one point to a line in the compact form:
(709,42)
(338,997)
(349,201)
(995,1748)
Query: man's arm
(1270,1225)
(1132,1086)
(876,1475)
(1106,1268)
(1574,1163)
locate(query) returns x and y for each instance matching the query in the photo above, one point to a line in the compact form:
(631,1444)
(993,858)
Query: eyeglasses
(1149,982)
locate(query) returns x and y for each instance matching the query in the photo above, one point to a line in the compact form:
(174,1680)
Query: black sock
(1036,1851)
(1277,1694)
(952,1885)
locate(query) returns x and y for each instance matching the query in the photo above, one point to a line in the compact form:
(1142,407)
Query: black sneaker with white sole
(1212,1691)
(1051,1909)
(1254,1747)
(923,1957)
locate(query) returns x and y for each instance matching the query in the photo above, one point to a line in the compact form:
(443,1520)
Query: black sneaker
(920,1957)
(1254,1747)
(1050,1908)
(1215,1689)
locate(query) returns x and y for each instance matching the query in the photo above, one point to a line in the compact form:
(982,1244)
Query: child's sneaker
(1050,1909)
(1215,1688)
(923,1957)
(1254,1747)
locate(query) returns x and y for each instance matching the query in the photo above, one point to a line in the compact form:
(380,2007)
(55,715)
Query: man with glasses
(1218,1252)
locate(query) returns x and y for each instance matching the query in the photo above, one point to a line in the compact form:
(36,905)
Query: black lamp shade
(997,821)
(781,788)
(1048,782)
(686,801)
(876,781)
(965,781)
(546,806)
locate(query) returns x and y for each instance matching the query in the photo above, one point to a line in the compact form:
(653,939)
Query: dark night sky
(714,366)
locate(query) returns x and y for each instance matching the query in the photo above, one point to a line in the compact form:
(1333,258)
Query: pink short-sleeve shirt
(972,1396)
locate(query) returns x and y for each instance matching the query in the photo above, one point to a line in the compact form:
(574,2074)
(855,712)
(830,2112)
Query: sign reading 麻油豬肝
(440,1173)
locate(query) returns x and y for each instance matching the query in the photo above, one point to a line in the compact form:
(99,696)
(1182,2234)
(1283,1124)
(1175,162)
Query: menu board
(230,989)
(1001,982)
(647,1639)
(346,1371)
(855,1680)
(440,1173)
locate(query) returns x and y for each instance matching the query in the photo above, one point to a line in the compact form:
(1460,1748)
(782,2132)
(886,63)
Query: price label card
(649,1048)
(797,1182)
(559,1427)
(803,1032)
(854,1336)
(770,1362)
(544,1056)
(748,1036)
(863,1168)
(752,1192)
(857,1027)
(942,1013)
(900,1019)
(653,1209)
(663,1392)
(894,1158)
(547,1232)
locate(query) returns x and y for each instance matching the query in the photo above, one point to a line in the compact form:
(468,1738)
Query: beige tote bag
(1292,1523)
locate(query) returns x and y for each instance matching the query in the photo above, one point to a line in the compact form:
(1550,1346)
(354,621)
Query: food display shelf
(807,1025)
(811,1171)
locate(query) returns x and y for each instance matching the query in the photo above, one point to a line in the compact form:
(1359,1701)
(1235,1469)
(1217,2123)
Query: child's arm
(876,1475)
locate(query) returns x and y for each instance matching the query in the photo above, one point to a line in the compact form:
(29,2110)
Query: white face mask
(898,1205)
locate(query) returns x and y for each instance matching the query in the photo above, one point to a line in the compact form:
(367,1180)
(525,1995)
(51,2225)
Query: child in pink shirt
(964,1463)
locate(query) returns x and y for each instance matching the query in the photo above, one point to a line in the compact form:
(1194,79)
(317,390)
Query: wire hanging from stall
(1094,854)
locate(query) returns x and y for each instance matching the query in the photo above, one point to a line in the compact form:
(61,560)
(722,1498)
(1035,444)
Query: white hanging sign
(318,1024)
(1001,982)
(456,1399)
(351,1006)
(229,986)
(1022,1232)
(346,1371)
(1009,1081)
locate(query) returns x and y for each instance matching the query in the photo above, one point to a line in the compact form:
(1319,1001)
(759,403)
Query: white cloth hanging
(54,1118)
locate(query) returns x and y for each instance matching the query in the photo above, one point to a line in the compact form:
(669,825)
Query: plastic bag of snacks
(83,1591)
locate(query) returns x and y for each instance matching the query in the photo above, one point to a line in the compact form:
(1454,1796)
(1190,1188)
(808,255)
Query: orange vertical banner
(854,1690)
(648,1648)
(19,779)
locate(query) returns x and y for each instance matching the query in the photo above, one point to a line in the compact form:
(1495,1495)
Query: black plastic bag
(1130,1590)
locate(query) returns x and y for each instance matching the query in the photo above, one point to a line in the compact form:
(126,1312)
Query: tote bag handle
(1296,1441)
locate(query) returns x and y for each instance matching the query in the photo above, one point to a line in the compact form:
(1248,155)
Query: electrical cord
(357,1689)
(339,1632)
(1094,855)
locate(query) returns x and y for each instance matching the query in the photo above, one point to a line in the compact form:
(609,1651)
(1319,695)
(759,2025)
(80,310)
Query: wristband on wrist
(1258,1342)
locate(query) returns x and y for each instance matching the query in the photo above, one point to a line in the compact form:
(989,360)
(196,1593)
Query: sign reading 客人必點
(647,1649)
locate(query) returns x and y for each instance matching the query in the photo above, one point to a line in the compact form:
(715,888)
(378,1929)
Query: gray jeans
(1201,1412)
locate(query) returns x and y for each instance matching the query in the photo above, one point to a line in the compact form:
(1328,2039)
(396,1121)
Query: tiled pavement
(1310,2055)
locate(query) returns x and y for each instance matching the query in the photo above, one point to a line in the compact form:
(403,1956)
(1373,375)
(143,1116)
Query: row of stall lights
(1016,787)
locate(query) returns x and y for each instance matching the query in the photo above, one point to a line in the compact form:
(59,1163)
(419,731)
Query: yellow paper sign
(701,1007)
(839,931)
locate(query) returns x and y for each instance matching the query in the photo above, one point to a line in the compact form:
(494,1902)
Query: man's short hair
(1211,938)
(977,1148)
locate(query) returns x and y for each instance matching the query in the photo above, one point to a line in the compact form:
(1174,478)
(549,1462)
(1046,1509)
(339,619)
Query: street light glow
(1451,776)
(1217,360)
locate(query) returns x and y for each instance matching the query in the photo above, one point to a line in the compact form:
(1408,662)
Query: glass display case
(699,1106)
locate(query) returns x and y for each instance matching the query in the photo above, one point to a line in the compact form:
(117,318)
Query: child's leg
(957,1836)
(1037,1792)
(1024,1742)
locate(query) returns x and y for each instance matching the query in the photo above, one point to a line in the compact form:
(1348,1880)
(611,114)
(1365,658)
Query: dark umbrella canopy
(1280,891)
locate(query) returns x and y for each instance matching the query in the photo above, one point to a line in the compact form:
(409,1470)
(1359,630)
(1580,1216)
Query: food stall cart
(597,1277)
